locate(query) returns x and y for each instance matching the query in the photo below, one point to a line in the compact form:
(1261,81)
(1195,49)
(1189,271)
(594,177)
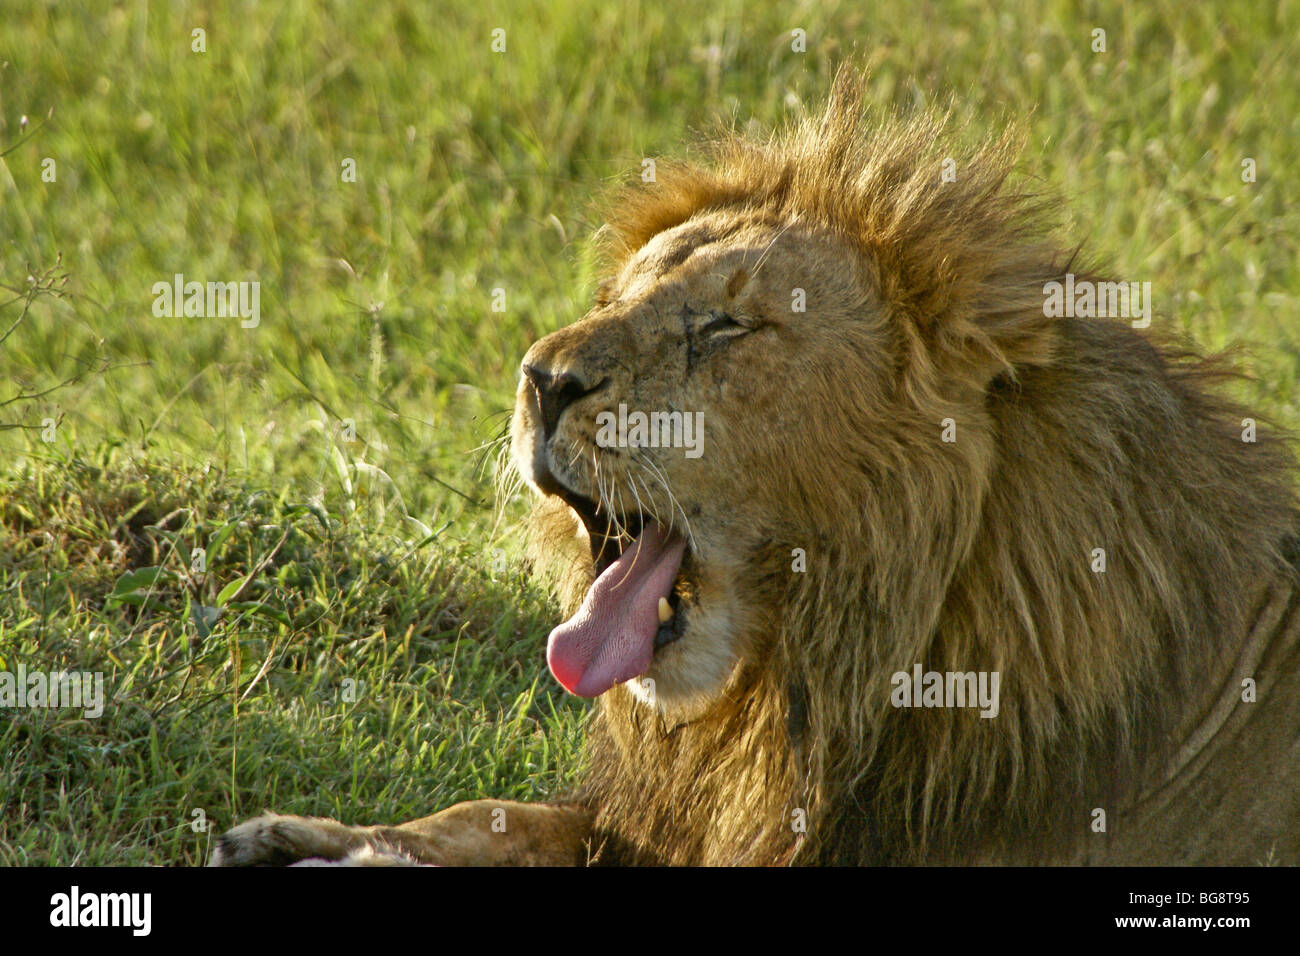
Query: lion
(907,466)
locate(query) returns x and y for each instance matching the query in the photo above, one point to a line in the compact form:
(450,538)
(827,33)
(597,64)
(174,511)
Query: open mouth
(607,546)
(635,606)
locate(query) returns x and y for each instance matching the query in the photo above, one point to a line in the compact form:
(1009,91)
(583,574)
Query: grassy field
(281,544)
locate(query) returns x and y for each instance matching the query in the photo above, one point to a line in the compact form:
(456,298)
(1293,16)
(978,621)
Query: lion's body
(922,469)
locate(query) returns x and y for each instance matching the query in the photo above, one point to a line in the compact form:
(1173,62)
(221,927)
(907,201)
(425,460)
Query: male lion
(909,464)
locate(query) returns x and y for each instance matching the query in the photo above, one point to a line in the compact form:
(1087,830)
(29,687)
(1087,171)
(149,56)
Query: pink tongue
(612,637)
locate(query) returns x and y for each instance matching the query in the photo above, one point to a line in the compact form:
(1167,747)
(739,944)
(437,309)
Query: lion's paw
(274,840)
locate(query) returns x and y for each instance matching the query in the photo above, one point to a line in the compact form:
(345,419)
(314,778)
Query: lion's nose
(555,393)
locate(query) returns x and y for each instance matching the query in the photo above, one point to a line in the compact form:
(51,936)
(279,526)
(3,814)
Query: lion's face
(687,421)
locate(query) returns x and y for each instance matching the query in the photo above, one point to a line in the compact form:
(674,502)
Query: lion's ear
(975,323)
(970,340)
(1006,328)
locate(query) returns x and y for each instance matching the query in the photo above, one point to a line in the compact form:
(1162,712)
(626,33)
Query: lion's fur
(1073,434)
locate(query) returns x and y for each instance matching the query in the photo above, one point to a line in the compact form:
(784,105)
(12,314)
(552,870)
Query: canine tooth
(665,611)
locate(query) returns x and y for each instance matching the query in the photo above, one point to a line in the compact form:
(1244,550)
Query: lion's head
(696,333)
(794,328)
(883,452)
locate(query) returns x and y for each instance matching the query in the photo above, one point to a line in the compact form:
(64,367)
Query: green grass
(358,674)
(474,173)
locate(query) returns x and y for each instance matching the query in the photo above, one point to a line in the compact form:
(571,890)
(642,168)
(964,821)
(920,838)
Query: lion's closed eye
(720,324)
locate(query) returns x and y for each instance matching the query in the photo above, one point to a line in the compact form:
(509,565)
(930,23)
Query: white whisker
(759,264)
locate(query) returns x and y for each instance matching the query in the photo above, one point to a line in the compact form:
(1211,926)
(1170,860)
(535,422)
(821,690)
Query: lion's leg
(474,833)
(496,833)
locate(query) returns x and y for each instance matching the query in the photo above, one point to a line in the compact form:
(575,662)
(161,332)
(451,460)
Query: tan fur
(770,736)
